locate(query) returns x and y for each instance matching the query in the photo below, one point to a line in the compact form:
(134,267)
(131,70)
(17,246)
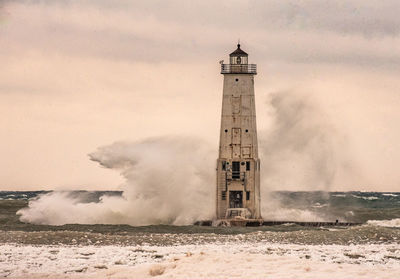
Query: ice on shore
(259,260)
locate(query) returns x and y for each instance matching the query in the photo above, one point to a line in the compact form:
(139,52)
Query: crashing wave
(365,198)
(393,223)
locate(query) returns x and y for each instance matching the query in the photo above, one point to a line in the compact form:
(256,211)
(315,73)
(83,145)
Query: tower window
(223,195)
(237,79)
(223,165)
(247,130)
(235,170)
(226,130)
(247,165)
(247,195)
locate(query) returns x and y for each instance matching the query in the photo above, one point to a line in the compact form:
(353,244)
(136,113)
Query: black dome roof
(238,52)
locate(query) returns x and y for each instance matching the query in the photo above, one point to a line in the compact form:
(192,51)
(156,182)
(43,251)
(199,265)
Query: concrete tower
(238,165)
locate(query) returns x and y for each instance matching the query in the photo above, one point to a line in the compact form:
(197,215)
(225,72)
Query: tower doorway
(236,199)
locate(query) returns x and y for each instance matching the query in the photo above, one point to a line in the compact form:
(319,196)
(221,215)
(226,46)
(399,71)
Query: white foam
(339,195)
(291,214)
(228,260)
(318,205)
(394,223)
(390,195)
(365,198)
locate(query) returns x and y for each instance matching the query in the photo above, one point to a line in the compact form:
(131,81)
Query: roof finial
(238,45)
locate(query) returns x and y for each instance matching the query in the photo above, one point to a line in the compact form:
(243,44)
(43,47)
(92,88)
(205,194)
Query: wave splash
(168,181)
(393,223)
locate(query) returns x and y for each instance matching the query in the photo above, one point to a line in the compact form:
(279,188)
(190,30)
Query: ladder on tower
(224,182)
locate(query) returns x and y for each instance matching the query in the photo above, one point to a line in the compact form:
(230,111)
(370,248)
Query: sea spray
(301,149)
(393,223)
(169,180)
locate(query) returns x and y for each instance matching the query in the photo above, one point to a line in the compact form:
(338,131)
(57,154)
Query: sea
(370,249)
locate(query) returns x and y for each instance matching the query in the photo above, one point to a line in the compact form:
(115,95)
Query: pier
(257,223)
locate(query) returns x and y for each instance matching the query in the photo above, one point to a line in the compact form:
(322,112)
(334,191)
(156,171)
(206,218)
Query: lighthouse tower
(238,165)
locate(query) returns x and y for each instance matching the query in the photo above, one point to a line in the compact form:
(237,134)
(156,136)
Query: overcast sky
(76,75)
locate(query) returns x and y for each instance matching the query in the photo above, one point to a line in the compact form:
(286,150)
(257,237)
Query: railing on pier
(239,69)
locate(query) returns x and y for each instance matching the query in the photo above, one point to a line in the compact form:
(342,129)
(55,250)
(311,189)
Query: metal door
(236,199)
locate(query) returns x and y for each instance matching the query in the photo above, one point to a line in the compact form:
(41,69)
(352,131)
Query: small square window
(223,195)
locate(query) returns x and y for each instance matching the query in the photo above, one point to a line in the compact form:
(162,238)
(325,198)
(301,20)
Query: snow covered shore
(241,260)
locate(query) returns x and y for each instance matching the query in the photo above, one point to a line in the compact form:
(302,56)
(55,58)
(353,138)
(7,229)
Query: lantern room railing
(239,69)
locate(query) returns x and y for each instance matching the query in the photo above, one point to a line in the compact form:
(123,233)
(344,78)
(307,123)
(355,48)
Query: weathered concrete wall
(238,143)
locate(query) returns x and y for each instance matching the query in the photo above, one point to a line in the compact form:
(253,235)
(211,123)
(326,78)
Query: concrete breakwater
(255,223)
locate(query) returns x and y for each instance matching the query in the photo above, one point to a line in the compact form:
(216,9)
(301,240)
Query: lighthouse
(238,165)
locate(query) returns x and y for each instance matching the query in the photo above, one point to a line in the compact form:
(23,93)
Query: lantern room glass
(238,60)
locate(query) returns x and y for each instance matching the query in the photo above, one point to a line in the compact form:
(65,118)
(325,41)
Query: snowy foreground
(233,260)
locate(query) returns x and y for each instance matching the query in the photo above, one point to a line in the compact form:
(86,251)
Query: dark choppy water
(350,206)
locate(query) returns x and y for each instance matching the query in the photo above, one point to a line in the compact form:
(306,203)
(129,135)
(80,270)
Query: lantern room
(238,57)
(238,63)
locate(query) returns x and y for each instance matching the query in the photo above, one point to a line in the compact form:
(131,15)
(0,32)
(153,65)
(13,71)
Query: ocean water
(369,250)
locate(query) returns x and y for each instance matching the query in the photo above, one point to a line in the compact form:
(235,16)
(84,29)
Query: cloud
(175,31)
